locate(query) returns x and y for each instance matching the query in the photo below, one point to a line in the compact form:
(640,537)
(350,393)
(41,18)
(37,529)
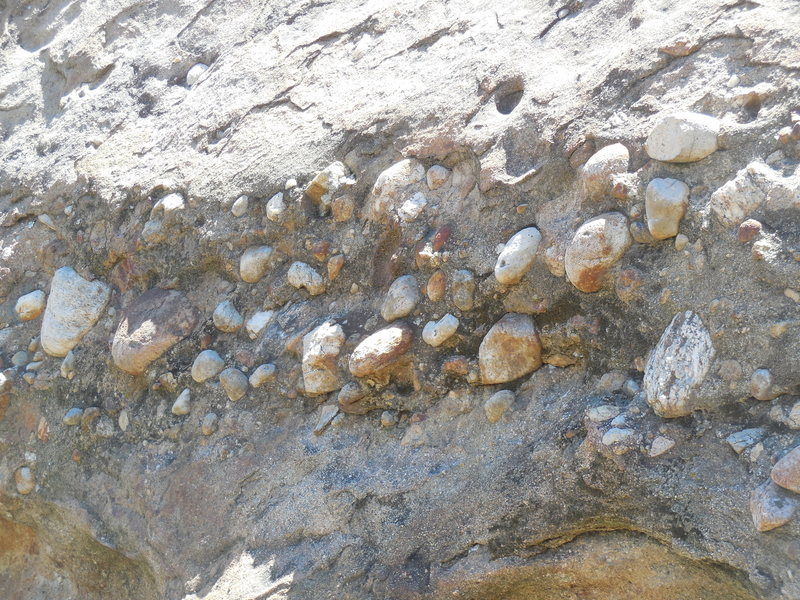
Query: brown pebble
(205,341)
(456,365)
(335,264)
(749,230)
(436,286)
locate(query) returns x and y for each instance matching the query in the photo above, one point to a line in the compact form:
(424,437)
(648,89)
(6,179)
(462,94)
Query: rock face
(510,350)
(517,256)
(321,349)
(678,365)
(683,137)
(381,349)
(74,306)
(151,325)
(595,247)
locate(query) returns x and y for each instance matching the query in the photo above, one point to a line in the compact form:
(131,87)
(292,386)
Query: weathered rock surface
(381,349)
(151,325)
(678,366)
(510,349)
(596,246)
(321,349)
(73,307)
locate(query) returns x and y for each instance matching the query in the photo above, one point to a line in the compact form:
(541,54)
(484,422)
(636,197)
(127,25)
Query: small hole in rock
(508,96)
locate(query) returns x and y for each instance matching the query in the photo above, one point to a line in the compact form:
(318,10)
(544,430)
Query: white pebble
(239,207)
(301,275)
(181,405)
(207,364)
(666,201)
(254,263)
(30,305)
(413,207)
(401,299)
(435,333)
(262,374)
(276,207)
(226,317)
(258,323)
(517,256)
(195,73)
(683,137)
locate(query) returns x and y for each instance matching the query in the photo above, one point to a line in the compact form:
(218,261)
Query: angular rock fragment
(74,306)
(678,366)
(595,248)
(661,445)
(30,306)
(276,207)
(510,349)
(151,325)
(401,299)
(227,318)
(436,333)
(620,440)
(517,256)
(683,137)
(381,349)
(739,197)
(209,424)
(321,349)
(742,440)
(257,323)
(598,171)
(301,275)
(771,507)
(326,415)
(350,399)
(254,263)
(666,201)
(327,182)
(207,365)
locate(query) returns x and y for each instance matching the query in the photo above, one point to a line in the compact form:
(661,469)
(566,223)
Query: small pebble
(227,318)
(517,256)
(604,412)
(25,480)
(257,323)
(209,424)
(195,73)
(666,201)
(73,417)
(436,177)
(462,289)
(262,374)
(30,305)
(496,406)
(749,230)
(239,207)
(436,333)
(326,415)
(611,382)
(234,383)
(401,299)
(412,208)
(275,207)
(683,137)
(207,365)
(660,445)
(123,421)
(19,359)
(761,387)
(181,405)
(388,419)
(301,275)
(620,440)
(254,263)
(742,440)
(681,241)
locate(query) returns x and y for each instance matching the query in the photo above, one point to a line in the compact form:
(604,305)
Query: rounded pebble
(234,383)
(207,365)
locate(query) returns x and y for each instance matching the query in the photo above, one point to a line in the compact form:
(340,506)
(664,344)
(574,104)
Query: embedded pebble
(207,365)
(381,349)
(683,137)
(462,290)
(262,374)
(209,424)
(436,333)
(391,188)
(74,306)
(595,247)
(620,440)
(239,207)
(597,172)
(342,208)
(631,388)
(234,383)
(123,421)
(510,349)
(181,406)
(19,359)
(257,323)
(497,405)
(30,305)
(401,299)
(327,182)
(678,366)
(436,177)
(517,256)
(388,419)
(73,417)
(742,440)
(786,472)
(195,73)
(326,415)
(749,230)
(412,208)
(601,413)
(350,399)
(681,241)
(335,264)
(321,349)
(640,233)
(153,323)
(227,318)
(611,381)
(104,427)
(255,263)
(301,275)
(436,285)
(25,480)
(761,385)
(275,207)
(660,445)
(743,194)
(771,507)
(666,201)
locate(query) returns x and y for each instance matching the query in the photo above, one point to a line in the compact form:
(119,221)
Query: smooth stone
(401,299)
(436,177)
(436,286)
(207,365)
(597,172)
(660,445)
(761,385)
(510,349)
(390,188)
(517,256)
(209,424)
(123,420)
(73,417)
(25,480)
(257,323)
(240,206)
(276,207)
(195,73)
(388,419)
(234,383)
(462,290)
(67,368)
(321,349)
(227,318)
(621,440)
(786,472)
(301,275)
(604,412)
(182,406)
(30,306)
(151,325)
(666,201)
(381,349)
(596,246)
(436,333)
(497,405)
(254,263)
(683,137)
(19,359)
(678,366)
(74,306)
(771,506)
(262,374)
